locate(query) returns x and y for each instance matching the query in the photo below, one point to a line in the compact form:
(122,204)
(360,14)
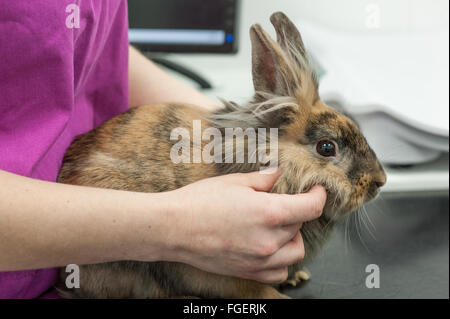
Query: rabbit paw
(299,278)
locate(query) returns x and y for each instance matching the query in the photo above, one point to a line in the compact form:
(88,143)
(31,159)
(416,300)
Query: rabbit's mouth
(341,202)
(335,203)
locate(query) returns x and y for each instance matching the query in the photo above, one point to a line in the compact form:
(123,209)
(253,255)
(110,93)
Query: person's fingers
(285,234)
(291,253)
(270,276)
(300,208)
(256,180)
(276,266)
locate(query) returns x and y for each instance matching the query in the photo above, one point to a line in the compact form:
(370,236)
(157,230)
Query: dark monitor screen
(184,25)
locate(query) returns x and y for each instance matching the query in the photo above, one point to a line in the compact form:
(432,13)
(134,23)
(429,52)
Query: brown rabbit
(316,145)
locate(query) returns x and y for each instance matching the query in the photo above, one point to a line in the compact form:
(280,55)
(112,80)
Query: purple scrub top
(61,75)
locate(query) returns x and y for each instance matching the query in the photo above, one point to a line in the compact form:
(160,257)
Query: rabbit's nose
(380,178)
(379,184)
(375,186)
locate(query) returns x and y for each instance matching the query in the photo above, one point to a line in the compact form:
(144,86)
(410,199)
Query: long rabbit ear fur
(271,67)
(282,68)
(288,36)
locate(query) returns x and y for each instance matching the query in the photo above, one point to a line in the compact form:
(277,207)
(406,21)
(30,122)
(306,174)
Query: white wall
(395,15)
(345,15)
(349,15)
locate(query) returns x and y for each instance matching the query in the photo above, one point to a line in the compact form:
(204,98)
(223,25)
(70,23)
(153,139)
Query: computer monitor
(196,26)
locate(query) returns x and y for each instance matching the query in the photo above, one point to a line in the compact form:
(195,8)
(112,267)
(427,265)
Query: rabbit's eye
(326,148)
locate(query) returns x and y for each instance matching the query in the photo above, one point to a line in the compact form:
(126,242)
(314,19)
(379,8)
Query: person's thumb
(262,182)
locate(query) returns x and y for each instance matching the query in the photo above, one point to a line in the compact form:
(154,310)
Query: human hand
(230,225)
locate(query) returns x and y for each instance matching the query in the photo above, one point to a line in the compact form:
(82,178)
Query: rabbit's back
(132,151)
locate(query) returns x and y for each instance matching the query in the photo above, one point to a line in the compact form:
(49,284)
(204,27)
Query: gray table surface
(407,239)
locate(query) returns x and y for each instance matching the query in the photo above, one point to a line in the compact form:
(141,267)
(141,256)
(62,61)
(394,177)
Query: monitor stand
(183,70)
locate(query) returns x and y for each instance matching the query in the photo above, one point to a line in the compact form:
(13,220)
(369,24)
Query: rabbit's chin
(338,203)
(338,206)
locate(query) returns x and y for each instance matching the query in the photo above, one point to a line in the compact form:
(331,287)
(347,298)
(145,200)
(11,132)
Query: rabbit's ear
(271,67)
(291,42)
(288,36)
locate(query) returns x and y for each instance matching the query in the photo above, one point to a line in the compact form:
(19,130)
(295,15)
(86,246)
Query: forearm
(46,224)
(149,85)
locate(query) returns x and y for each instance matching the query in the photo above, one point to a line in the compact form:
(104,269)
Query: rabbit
(316,145)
